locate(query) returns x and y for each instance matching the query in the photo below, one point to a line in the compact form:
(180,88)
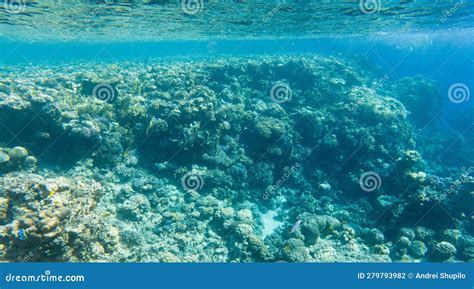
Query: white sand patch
(269,223)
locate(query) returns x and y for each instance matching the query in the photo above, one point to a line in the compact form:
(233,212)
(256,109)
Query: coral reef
(16,158)
(257,159)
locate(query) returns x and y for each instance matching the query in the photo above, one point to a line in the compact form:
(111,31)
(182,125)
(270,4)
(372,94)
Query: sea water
(236,131)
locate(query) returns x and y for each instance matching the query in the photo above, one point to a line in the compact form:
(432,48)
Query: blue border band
(233,276)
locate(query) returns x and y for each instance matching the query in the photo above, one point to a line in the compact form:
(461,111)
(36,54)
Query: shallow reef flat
(299,158)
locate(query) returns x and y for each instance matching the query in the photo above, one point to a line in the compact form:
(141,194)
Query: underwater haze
(236,131)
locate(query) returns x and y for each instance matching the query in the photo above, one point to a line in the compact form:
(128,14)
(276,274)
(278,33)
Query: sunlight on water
(199,19)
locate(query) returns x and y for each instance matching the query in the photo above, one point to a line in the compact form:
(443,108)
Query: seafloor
(259,159)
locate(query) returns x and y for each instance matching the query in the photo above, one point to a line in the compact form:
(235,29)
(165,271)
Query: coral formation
(16,158)
(183,161)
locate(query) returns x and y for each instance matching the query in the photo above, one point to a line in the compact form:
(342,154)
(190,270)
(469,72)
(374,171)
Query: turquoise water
(236,131)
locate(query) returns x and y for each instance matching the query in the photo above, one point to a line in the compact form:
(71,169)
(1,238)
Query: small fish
(296,226)
(42,135)
(51,193)
(21,235)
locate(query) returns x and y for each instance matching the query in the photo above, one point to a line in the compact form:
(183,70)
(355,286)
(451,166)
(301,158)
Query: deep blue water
(444,57)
